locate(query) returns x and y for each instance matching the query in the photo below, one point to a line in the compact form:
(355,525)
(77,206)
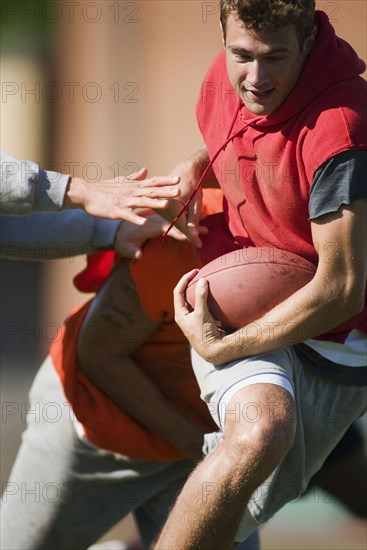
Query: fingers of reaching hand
(139,175)
(129,216)
(130,239)
(139,196)
(130,250)
(174,233)
(151,198)
(154,227)
(158,186)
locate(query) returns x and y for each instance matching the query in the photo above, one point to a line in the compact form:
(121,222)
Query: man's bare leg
(209,509)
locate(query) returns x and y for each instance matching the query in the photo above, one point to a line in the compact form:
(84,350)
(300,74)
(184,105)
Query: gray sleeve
(51,235)
(27,188)
(340,180)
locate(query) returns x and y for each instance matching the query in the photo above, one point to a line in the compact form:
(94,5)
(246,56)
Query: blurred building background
(97,89)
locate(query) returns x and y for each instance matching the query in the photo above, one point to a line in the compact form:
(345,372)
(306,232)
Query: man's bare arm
(123,328)
(335,294)
(26,188)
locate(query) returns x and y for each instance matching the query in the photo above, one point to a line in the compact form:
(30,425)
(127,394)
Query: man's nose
(257,74)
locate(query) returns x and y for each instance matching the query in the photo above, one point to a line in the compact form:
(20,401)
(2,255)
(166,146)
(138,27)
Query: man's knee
(260,418)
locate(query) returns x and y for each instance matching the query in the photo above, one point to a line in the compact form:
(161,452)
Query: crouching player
(129,424)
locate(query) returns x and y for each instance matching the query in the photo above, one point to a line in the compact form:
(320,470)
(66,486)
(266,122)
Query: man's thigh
(64,493)
(324,411)
(219,384)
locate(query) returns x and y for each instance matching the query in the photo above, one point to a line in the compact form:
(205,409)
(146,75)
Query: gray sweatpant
(64,494)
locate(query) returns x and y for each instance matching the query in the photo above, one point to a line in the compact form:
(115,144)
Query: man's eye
(275,59)
(243,58)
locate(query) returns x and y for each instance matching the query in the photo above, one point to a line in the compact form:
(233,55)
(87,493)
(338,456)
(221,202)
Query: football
(247,283)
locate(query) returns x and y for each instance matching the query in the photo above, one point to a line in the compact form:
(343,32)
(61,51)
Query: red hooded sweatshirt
(268,165)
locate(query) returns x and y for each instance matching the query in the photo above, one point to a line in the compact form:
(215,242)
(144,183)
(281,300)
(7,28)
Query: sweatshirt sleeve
(51,235)
(25,187)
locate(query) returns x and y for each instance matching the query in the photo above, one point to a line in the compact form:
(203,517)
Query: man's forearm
(202,159)
(311,311)
(303,316)
(125,383)
(335,295)
(191,170)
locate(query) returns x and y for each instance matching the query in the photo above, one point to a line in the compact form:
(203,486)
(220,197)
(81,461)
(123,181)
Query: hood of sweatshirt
(330,62)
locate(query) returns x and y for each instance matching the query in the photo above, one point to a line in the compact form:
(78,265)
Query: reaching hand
(189,173)
(130,238)
(116,199)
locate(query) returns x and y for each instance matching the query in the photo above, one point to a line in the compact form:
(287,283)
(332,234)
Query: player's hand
(189,173)
(198,325)
(130,237)
(117,199)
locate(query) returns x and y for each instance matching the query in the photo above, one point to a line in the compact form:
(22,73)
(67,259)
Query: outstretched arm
(25,188)
(51,235)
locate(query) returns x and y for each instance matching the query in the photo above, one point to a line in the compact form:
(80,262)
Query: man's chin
(258,109)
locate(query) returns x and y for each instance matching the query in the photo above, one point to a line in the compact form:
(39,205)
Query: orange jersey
(164,356)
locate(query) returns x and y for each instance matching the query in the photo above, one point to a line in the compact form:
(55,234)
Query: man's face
(263,69)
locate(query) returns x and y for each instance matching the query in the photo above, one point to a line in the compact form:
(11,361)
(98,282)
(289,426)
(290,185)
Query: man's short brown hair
(271,15)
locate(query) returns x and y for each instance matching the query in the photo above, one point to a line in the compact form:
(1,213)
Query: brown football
(247,283)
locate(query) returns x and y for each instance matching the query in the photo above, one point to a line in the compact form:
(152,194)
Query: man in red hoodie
(282,112)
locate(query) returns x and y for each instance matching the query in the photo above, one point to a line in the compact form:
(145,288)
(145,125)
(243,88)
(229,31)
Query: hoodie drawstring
(197,186)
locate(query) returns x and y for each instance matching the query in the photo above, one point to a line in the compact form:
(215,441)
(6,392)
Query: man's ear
(223,34)
(309,42)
